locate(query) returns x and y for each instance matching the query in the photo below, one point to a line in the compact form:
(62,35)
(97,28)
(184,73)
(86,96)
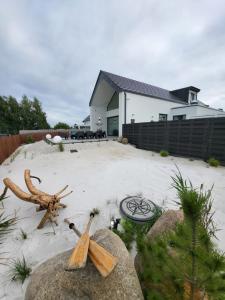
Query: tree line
(26,114)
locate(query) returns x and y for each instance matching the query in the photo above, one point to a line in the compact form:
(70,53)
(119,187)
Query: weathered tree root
(51,203)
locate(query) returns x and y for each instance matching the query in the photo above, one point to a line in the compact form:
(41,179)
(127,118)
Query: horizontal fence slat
(200,138)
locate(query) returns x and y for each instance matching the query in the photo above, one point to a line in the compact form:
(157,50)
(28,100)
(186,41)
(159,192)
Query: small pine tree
(185,264)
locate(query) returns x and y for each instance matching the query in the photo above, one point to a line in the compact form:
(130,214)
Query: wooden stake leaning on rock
(79,256)
(49,202)
(104,261)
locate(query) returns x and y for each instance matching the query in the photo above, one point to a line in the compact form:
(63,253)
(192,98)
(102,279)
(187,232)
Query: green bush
(29,139)
(182,263)
(135,232)
(213,162)
(61,147)
(164,153)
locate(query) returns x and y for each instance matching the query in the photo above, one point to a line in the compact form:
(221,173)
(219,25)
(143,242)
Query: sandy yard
(101,175)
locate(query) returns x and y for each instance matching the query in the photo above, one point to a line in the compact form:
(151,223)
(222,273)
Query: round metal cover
(137,208)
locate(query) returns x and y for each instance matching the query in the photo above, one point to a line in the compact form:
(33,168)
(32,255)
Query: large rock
(50,281)
(165,223)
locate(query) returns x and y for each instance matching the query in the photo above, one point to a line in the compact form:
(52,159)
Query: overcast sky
(54,49)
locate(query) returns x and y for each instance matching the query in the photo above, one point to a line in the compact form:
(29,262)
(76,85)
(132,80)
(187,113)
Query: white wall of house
(102,97)
(121,112)
(87,123)
(141,108)
(146,109)
(196,111)
(95,113)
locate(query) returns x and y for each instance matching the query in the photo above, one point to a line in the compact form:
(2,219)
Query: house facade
(86,121)
(118,100)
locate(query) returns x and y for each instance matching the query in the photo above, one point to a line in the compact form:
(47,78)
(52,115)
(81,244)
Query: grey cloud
(54,49)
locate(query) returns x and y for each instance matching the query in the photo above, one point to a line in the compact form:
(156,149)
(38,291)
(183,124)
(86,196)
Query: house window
(162,117)
(193,97)
(114,102)
(179,117)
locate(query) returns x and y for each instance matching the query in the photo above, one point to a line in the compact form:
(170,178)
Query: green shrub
(213,162)
(61,147)
(164,153)
(19,270)
(185,261)
(29,139)
(135,232)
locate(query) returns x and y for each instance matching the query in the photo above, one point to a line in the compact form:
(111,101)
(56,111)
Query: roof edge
(103,75)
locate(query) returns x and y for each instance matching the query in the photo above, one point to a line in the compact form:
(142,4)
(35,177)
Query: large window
(162,117)
(113,126)
(114,102)
(179,117)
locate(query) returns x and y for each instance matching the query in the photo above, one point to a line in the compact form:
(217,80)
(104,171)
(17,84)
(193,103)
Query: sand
(100,175)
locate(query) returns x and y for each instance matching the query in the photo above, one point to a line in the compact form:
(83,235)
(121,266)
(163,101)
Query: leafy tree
(27,114)
(185,264)
(61,125)
(40,116)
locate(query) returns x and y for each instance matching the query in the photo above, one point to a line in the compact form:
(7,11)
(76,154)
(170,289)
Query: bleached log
(51,203)
(30,185)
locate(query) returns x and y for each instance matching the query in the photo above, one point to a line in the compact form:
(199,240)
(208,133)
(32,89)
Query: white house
(86,121)
(118,100)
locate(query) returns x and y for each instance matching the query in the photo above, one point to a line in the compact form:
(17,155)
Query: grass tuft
(19,270)
(6,225)
(95,212)
(164,153)
(29,139)
(61,147)
(3,196)
(23,234)
(213,162)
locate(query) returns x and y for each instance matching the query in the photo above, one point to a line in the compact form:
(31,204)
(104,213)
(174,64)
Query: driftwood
(104,261)
(48,202)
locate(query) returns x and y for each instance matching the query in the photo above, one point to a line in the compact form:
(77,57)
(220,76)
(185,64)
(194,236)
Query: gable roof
(86,119)
(120,83)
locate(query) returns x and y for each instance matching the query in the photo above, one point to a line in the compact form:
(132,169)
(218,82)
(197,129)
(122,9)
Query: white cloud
(55,49)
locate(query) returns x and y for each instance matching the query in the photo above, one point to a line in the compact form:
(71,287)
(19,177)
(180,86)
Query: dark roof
(121,83)
(86,119)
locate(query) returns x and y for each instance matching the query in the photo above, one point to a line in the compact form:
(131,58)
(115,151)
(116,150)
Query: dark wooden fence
(8,144)
(200,138)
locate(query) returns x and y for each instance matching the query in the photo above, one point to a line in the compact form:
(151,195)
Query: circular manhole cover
(137,208)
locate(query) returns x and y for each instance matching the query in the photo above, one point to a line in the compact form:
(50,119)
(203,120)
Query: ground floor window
(179,117)
(113,126)
(162,117)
